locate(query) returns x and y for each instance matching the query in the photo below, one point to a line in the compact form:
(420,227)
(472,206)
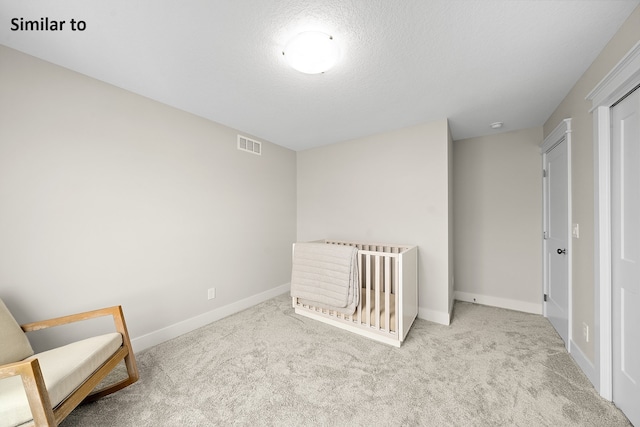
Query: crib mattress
(372,305)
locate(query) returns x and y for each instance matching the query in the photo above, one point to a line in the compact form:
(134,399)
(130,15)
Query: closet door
(625,253)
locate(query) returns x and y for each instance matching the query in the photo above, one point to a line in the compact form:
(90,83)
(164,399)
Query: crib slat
(387,293)
(377,294)
(368,302)
(362,278)
(396,279)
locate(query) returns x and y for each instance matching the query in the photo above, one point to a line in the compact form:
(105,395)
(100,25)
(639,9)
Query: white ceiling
(404,62)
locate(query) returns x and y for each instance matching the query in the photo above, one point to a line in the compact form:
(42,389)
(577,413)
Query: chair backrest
(14,344)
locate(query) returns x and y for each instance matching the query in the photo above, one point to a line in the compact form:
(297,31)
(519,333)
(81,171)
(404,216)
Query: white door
(625,253)
(556,239)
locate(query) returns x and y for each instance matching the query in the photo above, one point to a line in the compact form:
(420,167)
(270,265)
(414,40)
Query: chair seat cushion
(64,369)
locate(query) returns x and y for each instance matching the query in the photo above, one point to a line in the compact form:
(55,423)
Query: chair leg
(37,395)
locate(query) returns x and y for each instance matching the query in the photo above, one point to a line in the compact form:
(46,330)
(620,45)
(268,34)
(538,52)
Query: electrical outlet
(585,331)
(211,293)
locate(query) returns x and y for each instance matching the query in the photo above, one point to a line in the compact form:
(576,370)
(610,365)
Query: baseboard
(510,304)
(435,316)
(161,335)
(585,364)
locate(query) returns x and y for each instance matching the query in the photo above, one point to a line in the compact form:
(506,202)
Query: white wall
(386,188)
(576,107)
(110,198)
(498,220)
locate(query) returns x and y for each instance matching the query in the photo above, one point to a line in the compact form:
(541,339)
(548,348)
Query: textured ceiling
(404,62)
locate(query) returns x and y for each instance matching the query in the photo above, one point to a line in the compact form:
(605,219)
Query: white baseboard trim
(172,331)
(440,317)
(510,304)
(585,364)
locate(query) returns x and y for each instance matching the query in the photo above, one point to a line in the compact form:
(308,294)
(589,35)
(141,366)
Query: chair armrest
(23,367)
(34,387)
(115,311)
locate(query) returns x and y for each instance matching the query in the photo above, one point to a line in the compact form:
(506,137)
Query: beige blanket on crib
(326,274)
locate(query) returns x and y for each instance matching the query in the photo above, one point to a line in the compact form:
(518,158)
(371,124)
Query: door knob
(562,251)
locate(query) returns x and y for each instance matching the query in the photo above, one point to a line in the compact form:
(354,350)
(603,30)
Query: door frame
(561,133)
(622,79)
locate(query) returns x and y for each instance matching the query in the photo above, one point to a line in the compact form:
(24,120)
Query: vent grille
(249,145)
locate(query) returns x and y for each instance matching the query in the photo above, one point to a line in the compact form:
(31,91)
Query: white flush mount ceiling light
(496,125)
(312,52)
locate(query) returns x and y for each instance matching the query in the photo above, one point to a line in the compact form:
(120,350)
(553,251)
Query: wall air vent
(250,145)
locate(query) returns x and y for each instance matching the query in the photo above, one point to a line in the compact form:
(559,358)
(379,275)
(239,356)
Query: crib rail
(373,247)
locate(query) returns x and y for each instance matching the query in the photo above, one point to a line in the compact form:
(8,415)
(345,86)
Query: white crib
(389,293)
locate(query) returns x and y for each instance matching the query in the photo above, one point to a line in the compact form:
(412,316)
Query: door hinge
(544,173)
(545,297)
(544,235)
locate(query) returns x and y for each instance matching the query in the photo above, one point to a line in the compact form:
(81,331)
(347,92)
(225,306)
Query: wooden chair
(58,380)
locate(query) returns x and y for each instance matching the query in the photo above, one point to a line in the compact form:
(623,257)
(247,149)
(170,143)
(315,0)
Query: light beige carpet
(267,366)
